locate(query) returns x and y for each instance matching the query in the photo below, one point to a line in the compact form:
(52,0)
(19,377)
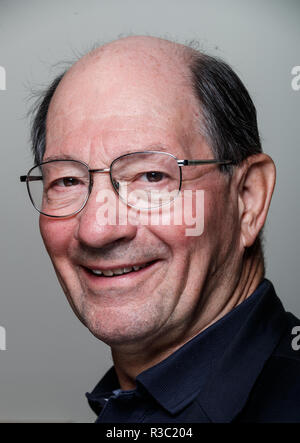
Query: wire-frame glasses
(143,180)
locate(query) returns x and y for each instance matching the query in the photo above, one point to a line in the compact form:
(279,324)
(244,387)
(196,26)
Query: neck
(131,360)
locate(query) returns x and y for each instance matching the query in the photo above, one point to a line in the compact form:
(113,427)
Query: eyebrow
(59,157)
(158,147)
(152,147)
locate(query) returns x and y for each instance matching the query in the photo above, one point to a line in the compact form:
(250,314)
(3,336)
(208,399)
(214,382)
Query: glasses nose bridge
(91,182)
(96,171)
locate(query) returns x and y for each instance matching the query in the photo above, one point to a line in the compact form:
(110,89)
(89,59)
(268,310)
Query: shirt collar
(219,366)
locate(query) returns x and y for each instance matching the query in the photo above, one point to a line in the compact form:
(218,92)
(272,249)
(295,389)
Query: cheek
(57,235)
(182,234)
(174,236)
(182,225)
(221,222)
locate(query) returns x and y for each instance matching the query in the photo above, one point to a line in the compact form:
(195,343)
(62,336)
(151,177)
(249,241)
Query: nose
(104,218)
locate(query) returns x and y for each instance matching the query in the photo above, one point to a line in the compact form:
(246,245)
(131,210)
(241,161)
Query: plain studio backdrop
(51,360)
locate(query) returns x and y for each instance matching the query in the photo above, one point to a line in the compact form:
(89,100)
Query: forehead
(120,102)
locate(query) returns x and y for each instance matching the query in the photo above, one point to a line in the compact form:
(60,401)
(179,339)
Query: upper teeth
(119,271)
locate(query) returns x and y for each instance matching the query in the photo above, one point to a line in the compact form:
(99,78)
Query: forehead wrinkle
(60,157)
(87,129)
(60,126)
(62,120)
(100,104)
(105,133)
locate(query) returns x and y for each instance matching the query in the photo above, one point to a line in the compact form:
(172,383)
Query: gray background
(51,359)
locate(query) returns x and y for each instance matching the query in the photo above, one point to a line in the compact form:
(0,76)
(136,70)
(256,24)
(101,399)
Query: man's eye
(67,181)
(153,176)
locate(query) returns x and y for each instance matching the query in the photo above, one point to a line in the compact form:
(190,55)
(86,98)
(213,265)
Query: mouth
(120,271)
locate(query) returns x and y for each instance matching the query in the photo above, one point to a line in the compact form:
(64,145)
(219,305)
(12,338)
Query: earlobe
(255,189)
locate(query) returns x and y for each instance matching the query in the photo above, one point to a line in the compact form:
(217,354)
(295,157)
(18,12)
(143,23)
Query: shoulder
(275,396)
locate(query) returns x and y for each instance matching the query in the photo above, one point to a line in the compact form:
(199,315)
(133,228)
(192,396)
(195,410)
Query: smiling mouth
(118,271)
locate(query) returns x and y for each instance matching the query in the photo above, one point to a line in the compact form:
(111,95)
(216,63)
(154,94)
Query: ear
(256,184)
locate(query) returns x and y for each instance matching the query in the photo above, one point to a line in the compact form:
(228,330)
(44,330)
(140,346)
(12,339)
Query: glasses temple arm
(31,178)
(202,162)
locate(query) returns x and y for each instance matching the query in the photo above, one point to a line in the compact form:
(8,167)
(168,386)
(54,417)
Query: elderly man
(141,130)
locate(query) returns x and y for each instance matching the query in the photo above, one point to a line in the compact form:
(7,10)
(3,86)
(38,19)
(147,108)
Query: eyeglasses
(144,180)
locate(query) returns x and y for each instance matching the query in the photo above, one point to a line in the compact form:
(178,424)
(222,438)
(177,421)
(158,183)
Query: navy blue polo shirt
(242,368)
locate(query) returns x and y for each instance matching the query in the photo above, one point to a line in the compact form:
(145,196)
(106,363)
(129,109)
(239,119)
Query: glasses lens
(59,188)
(146,180)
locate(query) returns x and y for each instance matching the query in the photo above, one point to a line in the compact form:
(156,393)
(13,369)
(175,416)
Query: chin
(120,329)
(117,337)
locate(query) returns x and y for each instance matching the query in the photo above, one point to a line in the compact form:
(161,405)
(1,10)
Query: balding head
(144,46)
(131,77)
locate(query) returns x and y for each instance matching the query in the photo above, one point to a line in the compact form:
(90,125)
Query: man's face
(103,109)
